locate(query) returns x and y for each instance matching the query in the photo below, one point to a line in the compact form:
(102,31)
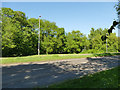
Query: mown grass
(104,79)
(36,58)
(39,58)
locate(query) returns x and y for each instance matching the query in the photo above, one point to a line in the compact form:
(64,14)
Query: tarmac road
(45,73)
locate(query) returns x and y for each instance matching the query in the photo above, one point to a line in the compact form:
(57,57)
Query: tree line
(118,12)
(20,37)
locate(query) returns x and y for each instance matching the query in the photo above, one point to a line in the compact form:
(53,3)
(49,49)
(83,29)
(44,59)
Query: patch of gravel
(44,74)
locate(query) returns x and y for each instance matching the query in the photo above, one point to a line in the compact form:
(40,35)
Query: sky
(71,16)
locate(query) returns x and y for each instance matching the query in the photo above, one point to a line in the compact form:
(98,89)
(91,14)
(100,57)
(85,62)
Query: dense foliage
(20,37)
(118,12)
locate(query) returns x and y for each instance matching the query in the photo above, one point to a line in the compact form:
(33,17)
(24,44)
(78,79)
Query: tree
(17,37)
(75,42)
(112,43)
(20,37)
(98,45)
(95,38)
(52,37)
(118,12)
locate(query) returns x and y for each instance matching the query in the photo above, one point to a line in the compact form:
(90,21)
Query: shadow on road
(33,75)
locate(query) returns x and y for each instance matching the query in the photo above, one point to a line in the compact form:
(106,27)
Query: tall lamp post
(106,41)
(39,38)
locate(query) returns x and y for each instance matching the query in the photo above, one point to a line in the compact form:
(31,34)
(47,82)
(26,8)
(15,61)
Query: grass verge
(36,58)
(104,79)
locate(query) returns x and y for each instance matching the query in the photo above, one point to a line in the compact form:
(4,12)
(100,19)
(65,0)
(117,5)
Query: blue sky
(70,15)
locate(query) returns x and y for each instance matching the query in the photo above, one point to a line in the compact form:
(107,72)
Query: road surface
(46,73)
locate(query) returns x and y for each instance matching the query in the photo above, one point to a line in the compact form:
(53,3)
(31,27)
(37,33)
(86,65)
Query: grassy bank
(104,79)
(35,58)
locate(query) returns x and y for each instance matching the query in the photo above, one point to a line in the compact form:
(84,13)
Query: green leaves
(20,37)
(100,45)
(16,35)
(118,12)
(75,42)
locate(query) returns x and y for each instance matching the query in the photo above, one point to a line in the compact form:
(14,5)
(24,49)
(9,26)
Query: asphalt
(46,73)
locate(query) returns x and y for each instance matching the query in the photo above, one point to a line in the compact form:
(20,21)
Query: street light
(39,38)
(106,41)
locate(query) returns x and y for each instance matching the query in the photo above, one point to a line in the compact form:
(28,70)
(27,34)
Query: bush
(93,51)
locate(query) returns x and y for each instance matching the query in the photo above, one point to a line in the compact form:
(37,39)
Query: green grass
(35,58)
(104,79)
